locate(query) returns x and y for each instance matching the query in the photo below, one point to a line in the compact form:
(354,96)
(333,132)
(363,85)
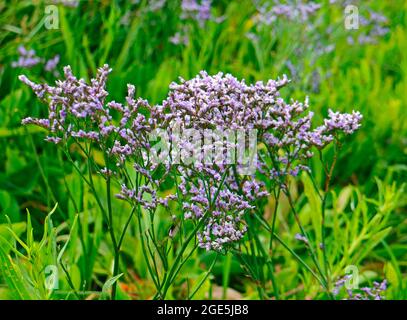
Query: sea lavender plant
(224,208)
(222,102)
(78,112)
(218,198)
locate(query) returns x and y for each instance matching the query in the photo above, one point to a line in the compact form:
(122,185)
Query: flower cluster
(220,101)
(348,123)
(27,58)
(222,209)
(223,102)
(51,65)
(70,100)
(78,111)
(292,10)
(192,9)
(366,293)
(373,27)
(213,193)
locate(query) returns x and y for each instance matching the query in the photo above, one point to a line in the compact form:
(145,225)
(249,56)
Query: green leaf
(108,284)
(391,274)
(13,277)
(61,252)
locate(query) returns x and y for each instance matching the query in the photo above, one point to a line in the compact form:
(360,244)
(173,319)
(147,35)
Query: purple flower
(302,238)
(292,10)
(366,293)
(197,10)
(67,3)
(348,123)
(179,38)
(253,190)
(27,58)
(374,27)
(155,5)
(51,64)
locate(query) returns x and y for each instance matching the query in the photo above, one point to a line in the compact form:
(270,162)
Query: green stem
(154,277)
(269,263)
(300,260)
(112,236)
(206,277)
(119,244)
(226,274)
(312,251)
(273,226)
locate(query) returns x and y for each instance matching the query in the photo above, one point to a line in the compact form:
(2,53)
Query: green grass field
(50,221)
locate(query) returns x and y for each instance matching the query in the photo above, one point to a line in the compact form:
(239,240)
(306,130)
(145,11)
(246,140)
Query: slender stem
(297,219)
(329,173)
(154,263)
(70,283)
(269,263)
(254,243)
(112,236)
(313,254)
(323,248)
(181,252)
(273,227)
(119,244)
(206,277)
(154,277)
(175,268)
(268,228)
